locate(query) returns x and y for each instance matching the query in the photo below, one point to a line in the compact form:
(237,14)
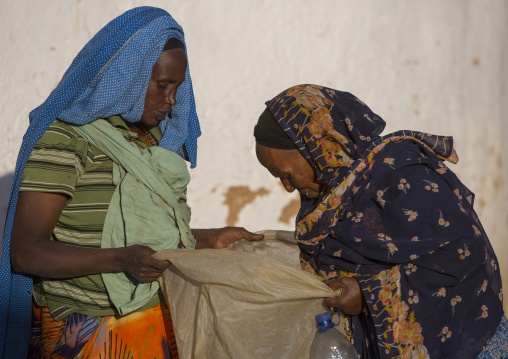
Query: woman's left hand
(220,238)
(351,301)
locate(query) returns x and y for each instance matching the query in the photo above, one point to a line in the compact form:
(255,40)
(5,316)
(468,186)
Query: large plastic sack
(246,302)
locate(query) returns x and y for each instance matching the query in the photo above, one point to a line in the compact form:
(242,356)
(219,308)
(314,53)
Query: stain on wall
(289,211)
(237,197)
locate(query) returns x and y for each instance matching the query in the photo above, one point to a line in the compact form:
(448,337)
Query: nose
(171,96)
(287,185)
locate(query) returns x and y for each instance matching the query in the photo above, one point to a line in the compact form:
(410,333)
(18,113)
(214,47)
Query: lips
(161,115)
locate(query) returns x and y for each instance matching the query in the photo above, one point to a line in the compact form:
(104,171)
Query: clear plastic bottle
(329,343)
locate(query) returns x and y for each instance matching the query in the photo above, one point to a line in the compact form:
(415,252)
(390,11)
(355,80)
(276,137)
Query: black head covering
(268,133)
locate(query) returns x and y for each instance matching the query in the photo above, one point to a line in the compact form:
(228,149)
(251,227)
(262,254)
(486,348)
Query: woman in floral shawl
(383,218)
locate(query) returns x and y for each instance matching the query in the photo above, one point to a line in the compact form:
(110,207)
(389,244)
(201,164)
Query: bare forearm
(204,237)
(219,238)
(33,251)
(52,259)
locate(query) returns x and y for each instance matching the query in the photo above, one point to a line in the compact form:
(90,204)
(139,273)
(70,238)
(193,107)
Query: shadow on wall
(5,190)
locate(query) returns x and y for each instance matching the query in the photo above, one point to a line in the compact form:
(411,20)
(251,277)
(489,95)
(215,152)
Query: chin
(149,123)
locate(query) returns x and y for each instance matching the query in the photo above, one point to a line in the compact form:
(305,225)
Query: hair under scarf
(108,77)
(268,133)
(397,219)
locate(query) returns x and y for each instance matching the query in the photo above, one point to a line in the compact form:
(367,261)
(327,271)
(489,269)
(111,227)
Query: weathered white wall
(432,66)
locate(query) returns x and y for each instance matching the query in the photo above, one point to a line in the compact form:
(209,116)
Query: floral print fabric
(146,334)
(395,217)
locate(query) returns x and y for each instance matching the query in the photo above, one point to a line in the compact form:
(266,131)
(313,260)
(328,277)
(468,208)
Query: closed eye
(163,85)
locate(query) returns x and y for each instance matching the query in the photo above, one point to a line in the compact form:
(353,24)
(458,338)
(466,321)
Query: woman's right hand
(139,263)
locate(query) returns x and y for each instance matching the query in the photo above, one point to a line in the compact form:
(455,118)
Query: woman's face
(291,168)
(167,74)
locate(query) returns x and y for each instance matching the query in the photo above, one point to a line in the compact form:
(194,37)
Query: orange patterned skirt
(146,334)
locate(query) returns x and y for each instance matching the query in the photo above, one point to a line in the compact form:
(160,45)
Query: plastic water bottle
(329,343)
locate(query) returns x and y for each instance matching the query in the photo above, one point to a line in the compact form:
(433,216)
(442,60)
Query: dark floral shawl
(398,220)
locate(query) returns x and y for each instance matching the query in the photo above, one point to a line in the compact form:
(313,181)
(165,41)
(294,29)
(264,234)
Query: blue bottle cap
(324,322)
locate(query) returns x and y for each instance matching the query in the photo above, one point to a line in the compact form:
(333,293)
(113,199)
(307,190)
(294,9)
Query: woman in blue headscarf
(385,223)
(100,185)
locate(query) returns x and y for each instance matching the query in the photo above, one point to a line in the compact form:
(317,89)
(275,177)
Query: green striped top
(63,162)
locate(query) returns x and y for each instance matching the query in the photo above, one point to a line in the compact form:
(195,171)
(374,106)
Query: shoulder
(61,135)
(60,130)
(61,141)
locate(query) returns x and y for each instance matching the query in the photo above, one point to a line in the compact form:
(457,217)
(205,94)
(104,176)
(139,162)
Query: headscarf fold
(330,128)
(394,216)
(108,77)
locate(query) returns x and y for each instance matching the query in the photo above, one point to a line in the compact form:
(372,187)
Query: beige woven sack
(246,302)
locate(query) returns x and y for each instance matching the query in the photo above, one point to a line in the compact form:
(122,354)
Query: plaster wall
(432,66)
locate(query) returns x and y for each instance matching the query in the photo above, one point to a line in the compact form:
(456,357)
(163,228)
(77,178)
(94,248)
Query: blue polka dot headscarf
(108,77)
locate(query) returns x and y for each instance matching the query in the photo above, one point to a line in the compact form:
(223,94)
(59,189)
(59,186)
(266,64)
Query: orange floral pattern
(146,334)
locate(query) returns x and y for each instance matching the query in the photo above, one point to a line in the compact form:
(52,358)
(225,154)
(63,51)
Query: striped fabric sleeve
(56,162)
